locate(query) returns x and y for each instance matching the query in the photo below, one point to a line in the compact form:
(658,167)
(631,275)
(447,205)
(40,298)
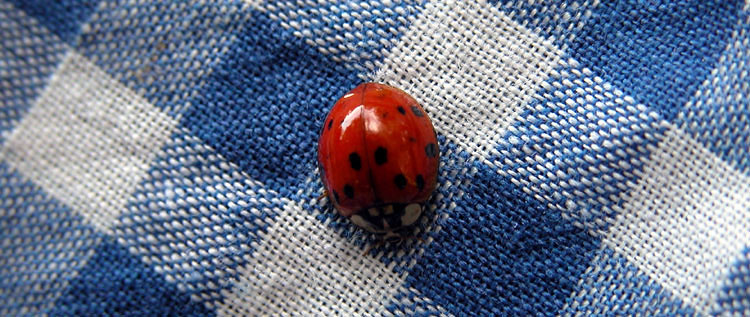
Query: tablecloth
(158,157)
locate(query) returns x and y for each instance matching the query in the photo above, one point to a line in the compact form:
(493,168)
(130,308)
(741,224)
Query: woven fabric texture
(158,157)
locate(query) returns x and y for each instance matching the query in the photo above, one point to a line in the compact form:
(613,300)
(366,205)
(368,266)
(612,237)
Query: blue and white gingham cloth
(158,158)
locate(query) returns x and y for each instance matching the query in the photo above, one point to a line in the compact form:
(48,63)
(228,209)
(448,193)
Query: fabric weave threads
(30,55)
(157,158)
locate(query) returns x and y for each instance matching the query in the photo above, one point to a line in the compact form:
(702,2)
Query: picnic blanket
(158,157)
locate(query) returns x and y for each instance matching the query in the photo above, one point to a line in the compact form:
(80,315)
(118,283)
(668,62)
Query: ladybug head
(387,218)
(390,235)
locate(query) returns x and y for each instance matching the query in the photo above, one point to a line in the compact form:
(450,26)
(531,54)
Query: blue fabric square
(62,17)
(264,105)
(29,54)
(114,282)
(508,253)
(718,114)
(587,142)
(736,290)
(162,50)
(614,286)
(200,216)
(44,244)
(658,52)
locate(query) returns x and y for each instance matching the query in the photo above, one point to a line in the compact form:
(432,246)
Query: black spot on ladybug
(412,139)
(381,155)
(400,181)
(336,196)
(349,191)
(330,124)
(420,182)
(355,161)
(416,111)
(401,110)
(431,150)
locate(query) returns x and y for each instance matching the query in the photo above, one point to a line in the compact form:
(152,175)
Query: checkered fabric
(158,158)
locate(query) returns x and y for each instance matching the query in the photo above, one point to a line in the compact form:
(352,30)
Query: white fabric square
(305,267)
(471,67)
(88,140)
(686,220)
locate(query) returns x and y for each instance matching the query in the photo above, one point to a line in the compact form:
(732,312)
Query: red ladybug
(378,157)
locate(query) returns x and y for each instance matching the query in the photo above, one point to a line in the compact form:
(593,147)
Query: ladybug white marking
(411,214)
(358,220)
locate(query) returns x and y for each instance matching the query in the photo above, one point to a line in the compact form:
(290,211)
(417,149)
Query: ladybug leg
(419,238)
(323,195)
(369,248)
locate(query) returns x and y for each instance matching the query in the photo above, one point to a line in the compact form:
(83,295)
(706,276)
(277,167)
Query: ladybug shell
(377,149)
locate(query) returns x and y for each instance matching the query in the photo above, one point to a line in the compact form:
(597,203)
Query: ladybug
(378,157)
